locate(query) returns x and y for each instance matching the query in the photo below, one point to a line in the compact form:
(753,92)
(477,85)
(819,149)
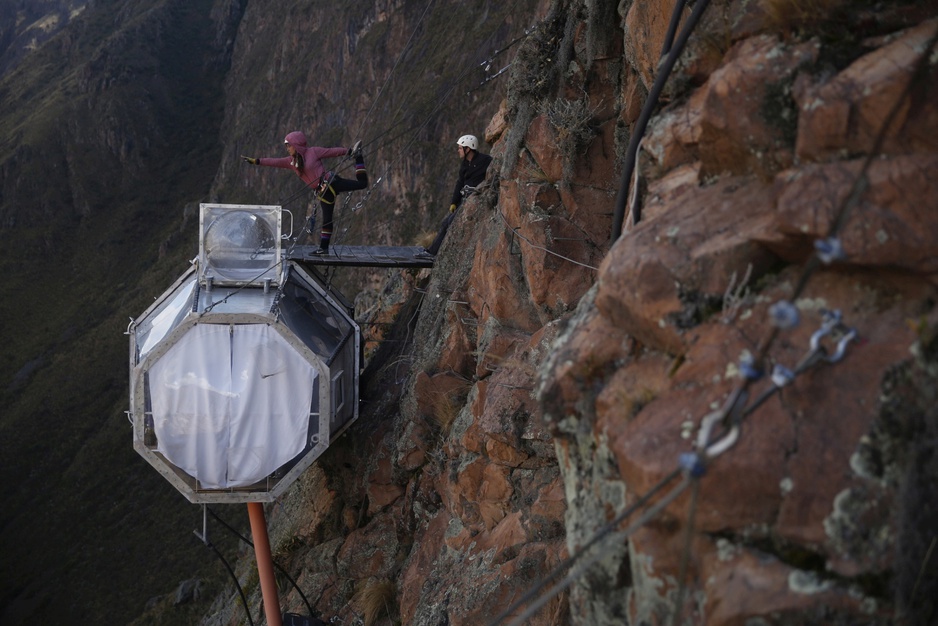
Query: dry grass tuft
(425,238)
(571,120)
(531,172)
(572,123)
(376,599)
(446,406)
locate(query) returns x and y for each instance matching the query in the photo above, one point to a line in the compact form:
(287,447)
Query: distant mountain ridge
(26,26)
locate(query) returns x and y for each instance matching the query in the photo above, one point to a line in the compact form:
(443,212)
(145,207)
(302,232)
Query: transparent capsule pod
(244,370)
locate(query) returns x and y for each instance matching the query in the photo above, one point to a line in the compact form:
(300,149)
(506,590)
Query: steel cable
(651,102)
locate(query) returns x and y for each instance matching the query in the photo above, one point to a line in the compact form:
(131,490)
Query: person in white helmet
(472,170)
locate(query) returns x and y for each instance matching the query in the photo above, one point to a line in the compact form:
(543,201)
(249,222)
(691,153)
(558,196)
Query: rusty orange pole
(265,564)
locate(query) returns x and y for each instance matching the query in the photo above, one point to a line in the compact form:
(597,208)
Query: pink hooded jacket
(313,168)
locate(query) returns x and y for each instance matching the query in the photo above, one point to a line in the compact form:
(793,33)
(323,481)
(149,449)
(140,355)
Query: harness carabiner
(829,322)
(731,412)
(842,346)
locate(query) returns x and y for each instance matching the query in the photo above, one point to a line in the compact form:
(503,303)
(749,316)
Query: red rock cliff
(542,381)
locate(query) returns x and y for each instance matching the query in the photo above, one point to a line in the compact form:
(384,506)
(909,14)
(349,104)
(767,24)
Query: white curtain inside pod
(231,404)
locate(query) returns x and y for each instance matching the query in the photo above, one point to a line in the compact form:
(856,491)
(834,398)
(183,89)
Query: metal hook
(781,375)
(714,449)
(733,407)
(830,321)
(728,441)
(842,346)
(695,463)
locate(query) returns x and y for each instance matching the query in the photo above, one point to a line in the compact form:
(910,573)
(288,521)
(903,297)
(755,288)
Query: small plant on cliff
(424,238)
(445,406)
(532,173)
(735,296)
(572,123)
(571,120)
(288,547)
(376,599)
(534,71)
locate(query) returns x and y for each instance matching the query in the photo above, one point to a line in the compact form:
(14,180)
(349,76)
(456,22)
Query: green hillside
(92,127)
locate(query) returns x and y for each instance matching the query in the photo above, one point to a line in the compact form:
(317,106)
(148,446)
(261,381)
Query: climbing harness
(325,186)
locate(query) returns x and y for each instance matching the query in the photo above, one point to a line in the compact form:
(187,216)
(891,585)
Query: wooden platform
(362,256)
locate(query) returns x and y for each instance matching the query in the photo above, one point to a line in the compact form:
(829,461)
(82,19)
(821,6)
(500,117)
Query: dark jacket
(471,173)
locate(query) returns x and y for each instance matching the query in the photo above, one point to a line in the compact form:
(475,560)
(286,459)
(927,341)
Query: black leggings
(328,197)
(444,226)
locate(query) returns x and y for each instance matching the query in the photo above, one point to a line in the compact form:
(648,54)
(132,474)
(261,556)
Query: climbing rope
(598,536)
(203,537)
(414,130)
(692,466)
(376,99)
(685,552)
(585,564)
(829,249)
(515,231)
(470,68)
(250,283)
(344,222)
(232,530)
(651,102)
(672,27)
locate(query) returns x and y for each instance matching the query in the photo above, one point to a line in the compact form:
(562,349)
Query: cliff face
(539,382)
(816,514)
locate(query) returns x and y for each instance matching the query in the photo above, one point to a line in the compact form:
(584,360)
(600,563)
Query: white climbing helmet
(468,141)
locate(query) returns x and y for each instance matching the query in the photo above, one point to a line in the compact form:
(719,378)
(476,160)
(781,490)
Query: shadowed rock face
(545,380)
